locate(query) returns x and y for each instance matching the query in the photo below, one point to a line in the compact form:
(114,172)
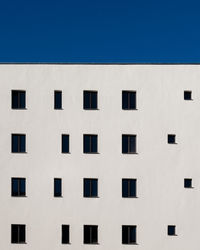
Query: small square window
(90,143)
(65,234)
(18,187)
(188,183)
(90,188)
(172,139)
(65,144)
(18,99)
(171,230)
(57,187)
(128,144)
(129,188)
(57,99)
(18,234)
(90,100)
(129,234)
(18,143)
(90,234)
(128,100)
(187,95)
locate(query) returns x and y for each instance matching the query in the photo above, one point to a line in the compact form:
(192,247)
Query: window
(65,234)
(18,186)
(18,99)
(187,95)
(65,143)
(18,143)
(129,188)
(128,234)
(188,183)
(90,100)
(171,230)
(90,187)
(90,144)
(90,234)
(128,100)
(18,233)
(57,187)
(57,99)
(172,139)
(128,144)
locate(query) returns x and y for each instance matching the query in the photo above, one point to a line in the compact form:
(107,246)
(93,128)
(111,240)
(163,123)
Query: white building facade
(99,157)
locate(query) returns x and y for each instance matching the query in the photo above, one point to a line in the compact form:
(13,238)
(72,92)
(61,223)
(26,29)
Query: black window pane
(22,233)
(86,100)
(171,230)
(14,233)
(94,100)
(94,144)
(94,188)
(187,95)
(94,235)
(18,234)
(22,99)
(86,144)
(14,143)
(132,234)
(132,100)
(57,187)
(18,143)
(132,142)
(86,188)
(124,144)
(90,100)
(65,234)
(90,144)
(187,183)
(65,143)
(57,99)
(128,234)
(22,187)
(171,139)
(14,187)
(128,100)
(14,99)
(124,235)
(124,188)
(87,235)
(90,234)
(133,188)
(124,100)
(18,99)
(22,139)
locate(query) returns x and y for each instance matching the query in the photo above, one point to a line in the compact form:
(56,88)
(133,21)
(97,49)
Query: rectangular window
(128,144)
(90,187)
(18,99)
(18,233)
(65,234)
(128,234)
(187,95)
(90,234)
(172,139)
(171,230)
(90,100)
(18,187)
(129,188)
(57,187)
(128,100)
(188,183)
(18,143)
(57,99)
(90,144)
(65,143)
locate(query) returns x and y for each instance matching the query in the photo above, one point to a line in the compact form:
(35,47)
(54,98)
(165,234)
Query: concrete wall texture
(159,167)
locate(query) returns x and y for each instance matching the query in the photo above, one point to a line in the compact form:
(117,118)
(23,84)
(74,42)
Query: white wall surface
(159,168)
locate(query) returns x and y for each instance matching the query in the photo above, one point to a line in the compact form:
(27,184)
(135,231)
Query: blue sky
(103,31)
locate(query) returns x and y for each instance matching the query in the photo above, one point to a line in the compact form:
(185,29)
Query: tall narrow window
(90,144)
(90,187)
(187,95)
(18,143)
(128,144)
(18,187)
(90,234)
(129,188)
(171,230)
(65,143)
(128,100)
(57,99)
(18,99)
(65,234)
(18,233)
(129,235)
(57,187)
(90,100)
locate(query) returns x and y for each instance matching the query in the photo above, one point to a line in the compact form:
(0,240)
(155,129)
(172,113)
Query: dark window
(128,234)
(128,144)
(128,100)
(187,95)
(90,187)
(171,230)
(18,99)
(90,144)
(18,143)
(188,183)
(171,139)
(18,186)
(90,234)
(65,143)
(90,99)
(57,99)
(18,234)
(65,234)
(57,187)
(129,188)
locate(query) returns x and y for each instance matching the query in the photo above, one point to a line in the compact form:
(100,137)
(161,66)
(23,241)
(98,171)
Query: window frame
(173,227)
(129,143)
(90,185)
(54,189)
(91,241)
(90,92)
(129,187)
(62,234)
(58,92)
(18,143)
(19,180)
(90,143)
(19,227)
(129,227)
(174,138)
(185,183)
(62,136)
(187,92)
(19,91)
(129,92)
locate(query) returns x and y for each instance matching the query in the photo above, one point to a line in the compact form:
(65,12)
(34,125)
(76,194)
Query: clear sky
(104,31)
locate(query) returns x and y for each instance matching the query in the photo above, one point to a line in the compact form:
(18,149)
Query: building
(99,157)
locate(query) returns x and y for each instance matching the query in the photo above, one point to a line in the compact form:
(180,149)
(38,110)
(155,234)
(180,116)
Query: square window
(187,95)
(18,187)
(171,230)
(128,144)
(90,188)
(65,234)
(128,100)
(129,188)
(188,183)
(57,99)
(57,187)
(65,143)
(90,100)
(18,99)
(129,234)
(90,144)
(90,234)
(18,143)
(172,139)
(18,233)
